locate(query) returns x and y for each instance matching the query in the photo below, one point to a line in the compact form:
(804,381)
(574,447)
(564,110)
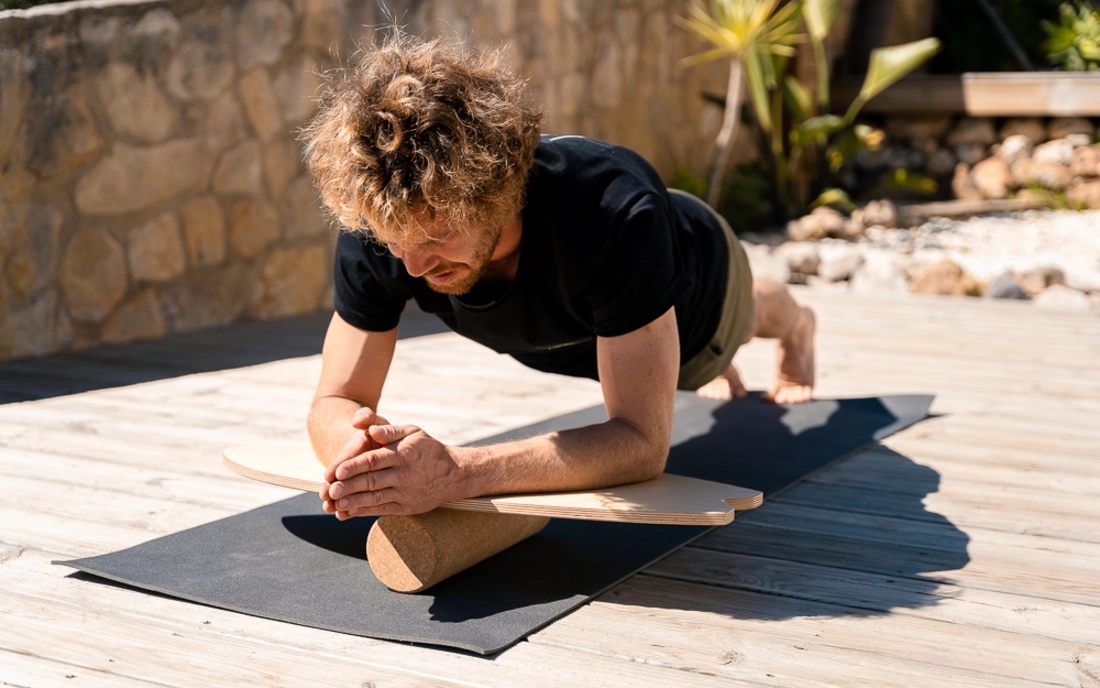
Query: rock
(134,104)
(942,162)
(62,138)
(881,272)
(977,131)
(253,226)
(203,66)
(224,123)
(945,278)
(1058,151)
(325,24)
(903,158)
(971,153)
(240,170)
(992,178)
(838,262)
(302,210)
(156,250)
(260,104)
(1061,127)
(801,256)
(822,222)
(139,318)
(214,297)
(1086,161)
(291,283)
(296,88)
(1005,286)
(30,331)
(1084,194)
(1079,140)
(15,92)
(204,231)
(131,179)
(1016,147)
(1048,175)
(962,185)
(33,253)
(93,275)
(282,162)
(1031,127)
(881,213)
(929,128)
(264,29)
(1038,279)
(766,266)
(158,31)
(1059,296)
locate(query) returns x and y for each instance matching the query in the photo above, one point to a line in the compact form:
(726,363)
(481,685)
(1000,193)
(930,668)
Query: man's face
(450,261)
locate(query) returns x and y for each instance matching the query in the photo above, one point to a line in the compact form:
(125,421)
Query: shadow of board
(202,351)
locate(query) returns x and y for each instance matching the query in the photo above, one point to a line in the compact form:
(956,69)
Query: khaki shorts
(735,324)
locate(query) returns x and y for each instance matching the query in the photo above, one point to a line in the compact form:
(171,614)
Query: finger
(366,417)
(361,500)
(356,445)
(380,510)
(388,434)
(324,491)
(373,460)
(370,481)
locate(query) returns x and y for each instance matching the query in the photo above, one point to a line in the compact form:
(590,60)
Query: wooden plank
(21,670)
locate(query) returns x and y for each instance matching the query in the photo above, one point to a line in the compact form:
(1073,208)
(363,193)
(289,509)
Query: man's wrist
(473,479)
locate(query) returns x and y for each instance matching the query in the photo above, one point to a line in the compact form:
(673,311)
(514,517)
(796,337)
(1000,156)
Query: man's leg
(776,316)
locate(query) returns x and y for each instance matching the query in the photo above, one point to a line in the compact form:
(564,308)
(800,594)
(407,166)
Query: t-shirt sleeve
(366,290)
(641,275)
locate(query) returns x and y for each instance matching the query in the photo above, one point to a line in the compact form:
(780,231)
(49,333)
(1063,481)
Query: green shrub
(1074,42)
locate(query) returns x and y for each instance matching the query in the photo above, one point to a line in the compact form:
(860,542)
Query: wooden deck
(963,551)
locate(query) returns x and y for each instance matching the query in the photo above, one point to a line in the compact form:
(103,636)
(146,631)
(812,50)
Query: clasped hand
(389,469)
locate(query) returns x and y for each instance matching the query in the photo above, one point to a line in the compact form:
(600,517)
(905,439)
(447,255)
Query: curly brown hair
(419,129)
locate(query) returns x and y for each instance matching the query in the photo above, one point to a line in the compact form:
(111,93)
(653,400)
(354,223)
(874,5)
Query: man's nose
(417,263)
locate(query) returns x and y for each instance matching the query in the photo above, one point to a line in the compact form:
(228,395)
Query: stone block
(297,88)
(134,104)
(1038,279)
(917,129)
(203,66)
(1058,151)
(1084,194)
(301,209)
(263,29)
(962,186)
(253,226)
(802,256)
(139,318)
(93,275)
(214,297)
(62,138)
(156,33)
(15,95)
(33,252)
(1031,127)
(291,283)
(129,179)
(30,331)
(282,162)
(1005,286)
(224,123)
(822,222)
(881,272)
(156,251)
(204,231)
(880,213)
(764,265)
(971,153)
(1061,127)
(945,278)
(992,178)
(325,25)
(942,162)
(240,170)
(1015,147)
(260,104)
(1061,297)
(1086,161)
(838,262)
(1048,175)
(972,131)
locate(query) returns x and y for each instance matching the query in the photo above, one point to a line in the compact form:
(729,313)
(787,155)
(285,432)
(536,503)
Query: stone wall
(150,177)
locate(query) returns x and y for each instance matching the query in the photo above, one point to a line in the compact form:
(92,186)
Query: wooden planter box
(984,94)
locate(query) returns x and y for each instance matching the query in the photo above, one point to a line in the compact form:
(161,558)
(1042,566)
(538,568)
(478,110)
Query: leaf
(819,16)
(758,86)
(837,197)
(816,130)
(890,64)
(798,97)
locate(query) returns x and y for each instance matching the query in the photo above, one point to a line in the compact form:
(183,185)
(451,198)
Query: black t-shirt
(604,251)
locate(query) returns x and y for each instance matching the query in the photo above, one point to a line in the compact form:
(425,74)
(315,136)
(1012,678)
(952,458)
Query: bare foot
(794,384)
(726,386)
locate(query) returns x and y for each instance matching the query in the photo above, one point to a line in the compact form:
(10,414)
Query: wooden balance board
(412,553)
(669,499)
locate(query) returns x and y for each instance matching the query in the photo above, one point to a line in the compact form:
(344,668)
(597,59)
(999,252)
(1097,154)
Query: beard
(470,273)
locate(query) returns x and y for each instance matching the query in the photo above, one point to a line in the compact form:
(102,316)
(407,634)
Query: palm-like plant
(749,33)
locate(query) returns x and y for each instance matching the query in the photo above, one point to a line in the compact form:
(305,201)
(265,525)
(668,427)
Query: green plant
(1074,42)
(759,36)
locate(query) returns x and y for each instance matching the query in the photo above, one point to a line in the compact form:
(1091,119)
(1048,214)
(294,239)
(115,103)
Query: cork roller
(413,553)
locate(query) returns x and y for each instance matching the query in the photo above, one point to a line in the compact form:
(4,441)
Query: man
(567,253)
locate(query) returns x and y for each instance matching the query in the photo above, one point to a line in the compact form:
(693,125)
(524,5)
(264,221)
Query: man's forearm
(329,425)
(610,453)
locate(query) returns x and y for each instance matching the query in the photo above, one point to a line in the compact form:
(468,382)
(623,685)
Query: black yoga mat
(289,561)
